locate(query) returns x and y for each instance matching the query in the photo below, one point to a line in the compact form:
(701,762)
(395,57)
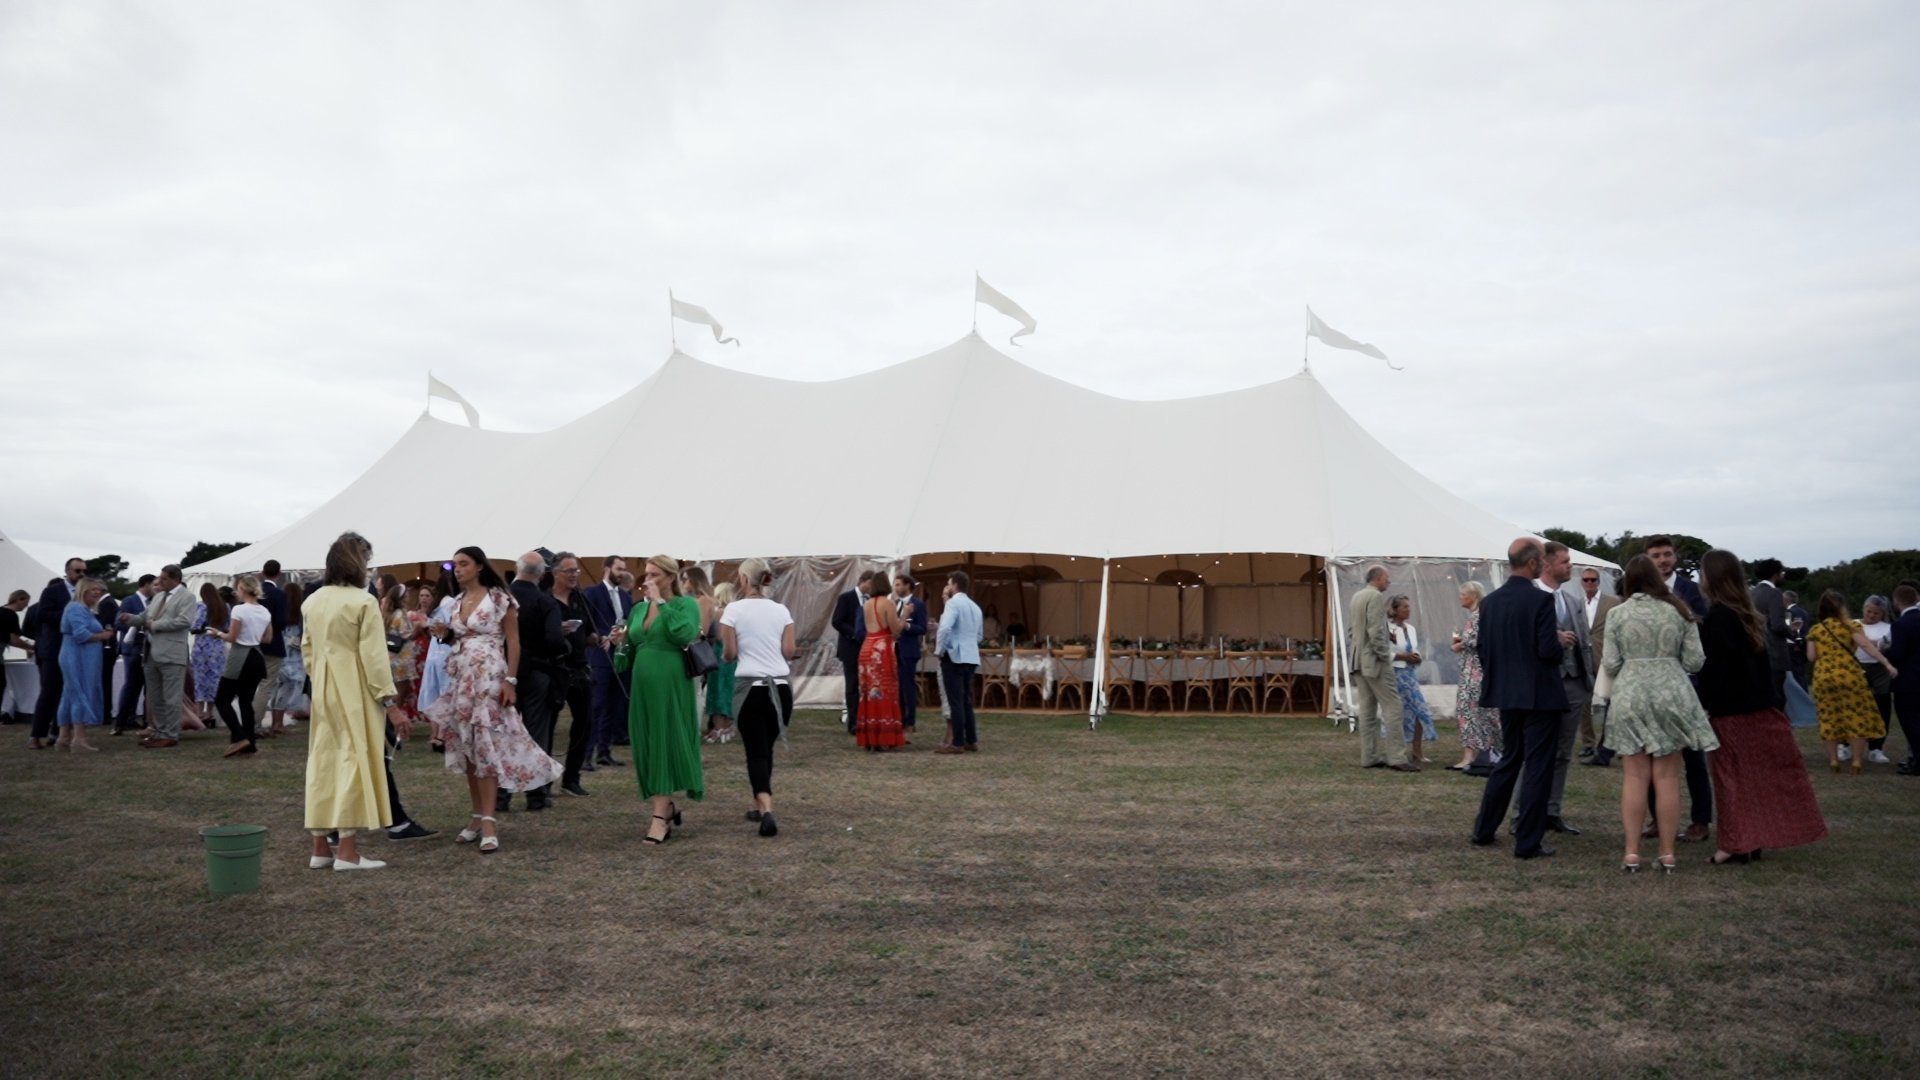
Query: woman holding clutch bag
(661,719)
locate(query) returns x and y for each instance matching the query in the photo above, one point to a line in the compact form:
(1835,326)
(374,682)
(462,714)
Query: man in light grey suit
(1577,670)
(1771,603)
(168,617)
(1370,652)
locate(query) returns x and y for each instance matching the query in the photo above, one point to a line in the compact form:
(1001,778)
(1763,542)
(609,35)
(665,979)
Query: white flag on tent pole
(984,293)
(693,313)
(1338,340)
(438,389)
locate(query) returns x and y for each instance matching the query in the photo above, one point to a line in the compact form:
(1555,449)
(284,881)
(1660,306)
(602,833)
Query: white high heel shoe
(489,844)
(468,836)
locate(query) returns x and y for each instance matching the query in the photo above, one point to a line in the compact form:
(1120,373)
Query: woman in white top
(758,634)
(1416,720)
(1876,621)
(249,627)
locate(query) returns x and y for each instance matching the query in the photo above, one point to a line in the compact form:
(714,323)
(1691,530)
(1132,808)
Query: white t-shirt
(253,620)
(758,625)
(1878,633)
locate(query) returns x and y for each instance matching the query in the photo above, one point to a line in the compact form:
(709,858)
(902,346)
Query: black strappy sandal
(663,839)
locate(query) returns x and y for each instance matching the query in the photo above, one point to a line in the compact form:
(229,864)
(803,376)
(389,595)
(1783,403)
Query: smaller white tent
(19,570)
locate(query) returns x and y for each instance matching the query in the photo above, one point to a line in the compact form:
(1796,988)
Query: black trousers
(1529,739)
(240,691)
(1699,787)
(1907,707)
(533,697)
(1883,702)
(956,683)
(851,669)
(123,717)
(759,726)
(909,690)
(46,708)
(575,691)
(393,790)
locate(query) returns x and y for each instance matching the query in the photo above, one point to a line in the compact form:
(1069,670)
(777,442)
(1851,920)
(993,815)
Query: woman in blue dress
(209,652)
(81,649)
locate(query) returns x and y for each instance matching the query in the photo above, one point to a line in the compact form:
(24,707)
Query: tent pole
(1097,701)
(1338,655)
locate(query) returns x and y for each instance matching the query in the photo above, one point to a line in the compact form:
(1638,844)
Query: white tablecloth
(23,686)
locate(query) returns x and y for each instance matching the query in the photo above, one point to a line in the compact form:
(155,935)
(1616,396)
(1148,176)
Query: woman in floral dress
(1841,696)
(1653,644)
(1416,719)
(401,624)
(288,693)
(1479,727)
(209,655)
(880,727)
(475,718)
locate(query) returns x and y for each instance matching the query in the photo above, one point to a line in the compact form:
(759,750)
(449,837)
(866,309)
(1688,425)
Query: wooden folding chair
(1120,669)
(1066,676)
(1026,678)
(1243,676)
(993,676)
(1198,668)
(1280,680)
(1158,669)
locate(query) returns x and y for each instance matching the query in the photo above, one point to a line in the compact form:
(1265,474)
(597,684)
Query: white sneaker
(1879,757)
(319,862)
(364,864)
(1846,753)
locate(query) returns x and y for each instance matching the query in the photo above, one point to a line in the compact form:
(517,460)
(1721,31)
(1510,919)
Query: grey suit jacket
(168,617)
(1367,640)
(1771,604)
(1578,605)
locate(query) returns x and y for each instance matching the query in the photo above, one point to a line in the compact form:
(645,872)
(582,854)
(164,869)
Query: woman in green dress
(1653,644)
(661,717)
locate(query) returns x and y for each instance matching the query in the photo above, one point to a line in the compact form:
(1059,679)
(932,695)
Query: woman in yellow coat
(344,645)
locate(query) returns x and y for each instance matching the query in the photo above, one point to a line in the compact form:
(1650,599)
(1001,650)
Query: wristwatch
(389,702)
(513,680)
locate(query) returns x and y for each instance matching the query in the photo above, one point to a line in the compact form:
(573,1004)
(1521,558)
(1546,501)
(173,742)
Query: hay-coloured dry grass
(1197,896)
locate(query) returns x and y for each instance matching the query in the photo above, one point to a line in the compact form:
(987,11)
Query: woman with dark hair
(343,645)
(1760,784)
(661,718)
(1652,646)
(757,635)
(881,724)
(1416,719)
(1841,696)
(288,693)
(475,718)
(209,655)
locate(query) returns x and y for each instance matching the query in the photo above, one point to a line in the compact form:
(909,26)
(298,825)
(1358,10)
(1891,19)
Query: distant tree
(108,568)
(1572,538)
(1877,573)
(207,550)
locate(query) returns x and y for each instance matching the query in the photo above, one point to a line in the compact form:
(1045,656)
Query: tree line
(1855,579)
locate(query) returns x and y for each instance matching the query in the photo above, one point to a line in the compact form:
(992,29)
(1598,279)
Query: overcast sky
(1649,266)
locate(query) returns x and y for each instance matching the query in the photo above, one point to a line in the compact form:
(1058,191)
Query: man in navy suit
(850,622)
(1699,783)
(1903,651)
(1772,606)
(608,606)
(274,650)
(1520,657)
(133,649)
(46,650)
(913,612)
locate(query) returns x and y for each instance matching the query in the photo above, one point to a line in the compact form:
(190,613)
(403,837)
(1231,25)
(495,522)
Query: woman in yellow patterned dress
(1840,694)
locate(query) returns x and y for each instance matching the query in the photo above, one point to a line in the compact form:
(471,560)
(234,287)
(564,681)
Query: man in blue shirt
(957,644)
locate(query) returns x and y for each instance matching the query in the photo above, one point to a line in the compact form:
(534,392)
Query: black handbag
(699,658)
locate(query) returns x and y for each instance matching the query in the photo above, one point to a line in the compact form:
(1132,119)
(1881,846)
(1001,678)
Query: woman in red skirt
(1760,780)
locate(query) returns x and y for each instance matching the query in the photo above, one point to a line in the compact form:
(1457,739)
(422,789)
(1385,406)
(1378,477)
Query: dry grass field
(1194,896)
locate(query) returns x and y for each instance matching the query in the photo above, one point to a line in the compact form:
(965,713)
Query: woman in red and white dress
(879,726)
(475,716)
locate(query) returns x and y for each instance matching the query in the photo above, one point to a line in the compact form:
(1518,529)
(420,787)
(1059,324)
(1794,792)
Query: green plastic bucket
(233,857)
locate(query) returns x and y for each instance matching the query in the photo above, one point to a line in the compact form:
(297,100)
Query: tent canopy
(19,570)
(962,450)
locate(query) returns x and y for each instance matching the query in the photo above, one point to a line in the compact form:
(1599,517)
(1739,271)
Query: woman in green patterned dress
(1653,644)
(660,714)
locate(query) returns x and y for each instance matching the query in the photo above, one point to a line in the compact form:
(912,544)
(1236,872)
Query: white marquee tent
(19,570)
(961,450)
